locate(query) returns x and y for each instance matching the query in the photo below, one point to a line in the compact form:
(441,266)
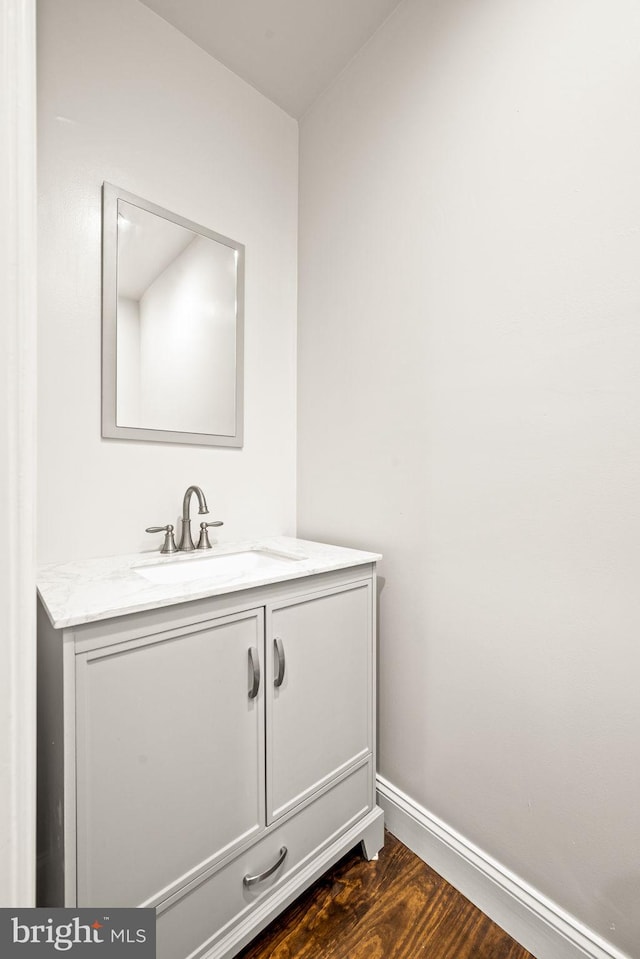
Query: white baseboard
(537,923)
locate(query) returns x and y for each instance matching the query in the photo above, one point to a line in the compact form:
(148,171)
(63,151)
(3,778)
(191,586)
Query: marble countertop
(94,589)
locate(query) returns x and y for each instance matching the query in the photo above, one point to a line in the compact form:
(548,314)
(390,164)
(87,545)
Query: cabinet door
(319,720)
(170,758)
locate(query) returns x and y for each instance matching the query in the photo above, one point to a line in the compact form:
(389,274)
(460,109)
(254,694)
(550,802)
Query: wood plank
(396,908)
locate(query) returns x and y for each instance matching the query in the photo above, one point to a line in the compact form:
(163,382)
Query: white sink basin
(224,566)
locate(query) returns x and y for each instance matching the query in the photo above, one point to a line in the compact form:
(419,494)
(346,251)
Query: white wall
(123,97)
(469,397)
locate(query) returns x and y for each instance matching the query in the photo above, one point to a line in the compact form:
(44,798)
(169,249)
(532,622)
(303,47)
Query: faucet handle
(203,542)
(169,545)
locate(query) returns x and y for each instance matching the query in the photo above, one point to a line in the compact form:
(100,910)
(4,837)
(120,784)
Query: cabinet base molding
(369,831)
(537,923)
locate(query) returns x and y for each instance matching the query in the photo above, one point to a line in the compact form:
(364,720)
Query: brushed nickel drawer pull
(252,880)
(280,655)
(254,663)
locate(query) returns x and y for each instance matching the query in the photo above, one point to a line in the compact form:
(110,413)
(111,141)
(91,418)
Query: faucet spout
(186,540)
(202,503)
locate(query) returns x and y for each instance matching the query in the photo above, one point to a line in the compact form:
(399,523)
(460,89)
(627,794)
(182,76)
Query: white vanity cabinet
(211,758)
(319,720)
(170,757)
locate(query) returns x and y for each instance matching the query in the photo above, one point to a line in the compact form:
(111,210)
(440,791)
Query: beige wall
(469,394)
(123,97)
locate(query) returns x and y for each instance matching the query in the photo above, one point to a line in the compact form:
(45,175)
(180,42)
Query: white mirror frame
(110,196)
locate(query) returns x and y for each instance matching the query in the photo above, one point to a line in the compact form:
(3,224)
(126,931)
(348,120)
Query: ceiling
(289,50)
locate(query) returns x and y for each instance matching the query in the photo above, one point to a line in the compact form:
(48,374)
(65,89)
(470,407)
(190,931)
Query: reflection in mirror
(172,326)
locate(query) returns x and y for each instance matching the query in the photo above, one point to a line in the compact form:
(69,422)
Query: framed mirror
(172,326)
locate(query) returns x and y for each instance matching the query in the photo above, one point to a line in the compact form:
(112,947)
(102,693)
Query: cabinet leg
(373,838)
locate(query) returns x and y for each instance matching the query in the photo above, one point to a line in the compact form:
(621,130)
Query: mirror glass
(172,326)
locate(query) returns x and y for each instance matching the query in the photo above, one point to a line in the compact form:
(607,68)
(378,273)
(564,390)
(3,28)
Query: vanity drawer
(209,907)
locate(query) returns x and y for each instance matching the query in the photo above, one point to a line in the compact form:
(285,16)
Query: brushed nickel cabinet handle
(254,663)
(280,656)
(252,880)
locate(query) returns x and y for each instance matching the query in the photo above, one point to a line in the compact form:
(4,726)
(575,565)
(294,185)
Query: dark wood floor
(396,908)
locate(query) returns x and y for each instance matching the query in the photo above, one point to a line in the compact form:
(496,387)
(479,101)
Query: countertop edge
(327,559)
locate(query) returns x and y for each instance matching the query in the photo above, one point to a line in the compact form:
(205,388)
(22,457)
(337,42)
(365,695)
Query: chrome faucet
(186,543)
